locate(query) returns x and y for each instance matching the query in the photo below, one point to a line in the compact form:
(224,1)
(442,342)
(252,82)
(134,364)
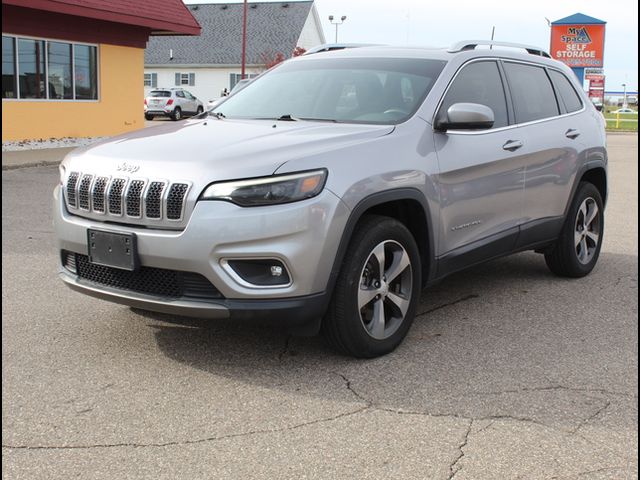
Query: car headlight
(271,190)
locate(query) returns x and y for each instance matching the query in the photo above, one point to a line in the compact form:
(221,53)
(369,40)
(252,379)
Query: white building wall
(209,81)
(312,34)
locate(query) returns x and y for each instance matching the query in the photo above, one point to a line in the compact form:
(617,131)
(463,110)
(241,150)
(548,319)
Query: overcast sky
(441,23)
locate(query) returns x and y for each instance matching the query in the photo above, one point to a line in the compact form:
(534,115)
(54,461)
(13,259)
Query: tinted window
(159,93)
(86,66)
(566,91)
(59,56)
(31,68)
(8,68)
(179,94)
(350,90)
(531,91)
(479,82)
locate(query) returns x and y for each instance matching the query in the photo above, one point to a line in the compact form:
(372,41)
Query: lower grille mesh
(149,280)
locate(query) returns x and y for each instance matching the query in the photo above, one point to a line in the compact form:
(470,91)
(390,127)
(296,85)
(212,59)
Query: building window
(8,68)
(48,70)
(236,77)
(151,80)
(185,79)
(86,73)
(60,68)
(31,69)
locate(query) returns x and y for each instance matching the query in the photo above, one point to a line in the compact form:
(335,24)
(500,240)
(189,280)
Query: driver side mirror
(465,116)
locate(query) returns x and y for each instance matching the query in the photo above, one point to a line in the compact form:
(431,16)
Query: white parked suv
(171,102)
(330,190)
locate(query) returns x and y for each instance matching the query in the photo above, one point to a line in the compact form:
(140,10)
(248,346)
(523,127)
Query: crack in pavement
(184,442)
(557,387)
(606,404)
(444,305)
(452,467)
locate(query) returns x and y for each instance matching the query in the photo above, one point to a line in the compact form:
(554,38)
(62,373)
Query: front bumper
(304,236)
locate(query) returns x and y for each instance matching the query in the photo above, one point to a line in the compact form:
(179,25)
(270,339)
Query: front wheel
(377,290)
(576,251)
(199,111)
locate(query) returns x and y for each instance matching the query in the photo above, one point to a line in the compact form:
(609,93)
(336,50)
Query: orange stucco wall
(119,107)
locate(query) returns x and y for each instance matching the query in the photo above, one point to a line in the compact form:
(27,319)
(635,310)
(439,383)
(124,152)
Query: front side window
(348,90)
(31,73)
(60,71)
(43,69)
(531,92)
(8,68)
(479,82)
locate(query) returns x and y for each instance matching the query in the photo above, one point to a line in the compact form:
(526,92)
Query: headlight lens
(272,190)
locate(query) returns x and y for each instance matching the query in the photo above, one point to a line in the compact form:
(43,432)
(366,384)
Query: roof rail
(472,44)
(327,47)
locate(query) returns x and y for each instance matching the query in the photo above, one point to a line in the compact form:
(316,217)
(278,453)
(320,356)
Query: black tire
(148,117)
(347,325)
(199,111)
(177,114)
(575,253)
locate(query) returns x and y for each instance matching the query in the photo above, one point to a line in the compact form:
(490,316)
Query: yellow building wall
(119,108)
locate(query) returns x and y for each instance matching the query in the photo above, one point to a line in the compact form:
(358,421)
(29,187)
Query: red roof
(163,17)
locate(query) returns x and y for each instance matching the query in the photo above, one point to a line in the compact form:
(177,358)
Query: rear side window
(566,91)
(179,93)
(479,82)
(531,92)
(159,93)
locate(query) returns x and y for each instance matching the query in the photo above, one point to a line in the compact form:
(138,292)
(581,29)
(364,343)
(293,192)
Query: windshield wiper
(287,118)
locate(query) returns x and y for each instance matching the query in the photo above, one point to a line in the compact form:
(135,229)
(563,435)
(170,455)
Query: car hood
(206,150)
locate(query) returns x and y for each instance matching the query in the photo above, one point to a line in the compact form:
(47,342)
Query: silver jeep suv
(332,189)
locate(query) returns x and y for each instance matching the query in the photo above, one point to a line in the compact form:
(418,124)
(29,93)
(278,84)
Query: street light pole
(337,23)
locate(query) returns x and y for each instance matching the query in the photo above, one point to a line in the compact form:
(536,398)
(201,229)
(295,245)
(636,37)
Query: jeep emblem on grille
(126,167)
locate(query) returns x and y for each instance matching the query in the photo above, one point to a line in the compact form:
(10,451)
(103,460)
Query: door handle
(572,133)
(512,145)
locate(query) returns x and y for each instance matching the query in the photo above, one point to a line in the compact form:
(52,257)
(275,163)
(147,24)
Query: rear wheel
(576,251)
(377,290)
(199,111)
(177,114)
(148,117)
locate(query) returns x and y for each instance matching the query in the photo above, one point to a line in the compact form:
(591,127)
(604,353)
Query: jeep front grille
(126,198)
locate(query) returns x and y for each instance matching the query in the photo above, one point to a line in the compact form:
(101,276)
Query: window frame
(561,103)
(507,88)
(16,38)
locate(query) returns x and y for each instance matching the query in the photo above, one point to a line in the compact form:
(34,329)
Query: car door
(182,101)
(481,173)
(193,101)
(554,136)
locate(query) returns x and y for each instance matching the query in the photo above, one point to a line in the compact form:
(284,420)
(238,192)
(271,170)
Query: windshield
(350,90)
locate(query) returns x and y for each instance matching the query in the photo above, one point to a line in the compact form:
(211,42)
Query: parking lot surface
(508,372)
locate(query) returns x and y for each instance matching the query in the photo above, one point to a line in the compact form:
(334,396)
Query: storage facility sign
(578,45)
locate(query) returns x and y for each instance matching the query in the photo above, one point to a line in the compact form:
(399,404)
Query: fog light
(267,272)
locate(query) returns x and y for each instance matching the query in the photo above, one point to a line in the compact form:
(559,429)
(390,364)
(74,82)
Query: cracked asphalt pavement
(508,372)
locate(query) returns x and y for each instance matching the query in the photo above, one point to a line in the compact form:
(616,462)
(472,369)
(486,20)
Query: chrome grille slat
(115,196)
(175,200)
(133,198)
(98,194)
(84,199)
(153,200)
(72,183)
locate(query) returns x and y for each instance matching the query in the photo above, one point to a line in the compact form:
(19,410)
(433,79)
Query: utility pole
(244,39)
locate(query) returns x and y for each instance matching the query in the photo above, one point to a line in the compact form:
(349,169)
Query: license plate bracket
(111,249)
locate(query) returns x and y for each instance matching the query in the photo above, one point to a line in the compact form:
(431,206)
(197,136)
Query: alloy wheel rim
(384,289)
(587,230)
